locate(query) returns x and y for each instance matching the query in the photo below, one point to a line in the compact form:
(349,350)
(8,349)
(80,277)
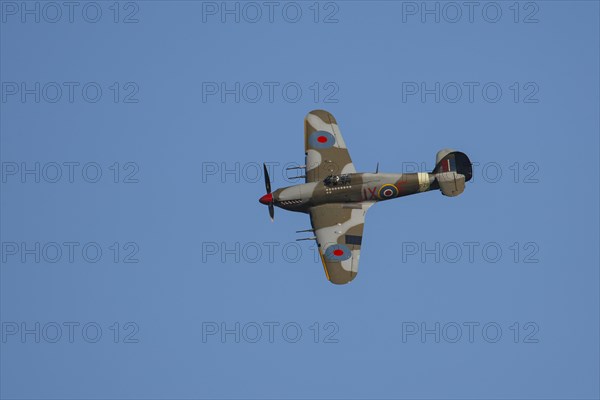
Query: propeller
(271,211)
(267,199)
(267,180)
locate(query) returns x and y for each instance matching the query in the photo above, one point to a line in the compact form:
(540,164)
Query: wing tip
(338,279)
(344,280)
(324,115)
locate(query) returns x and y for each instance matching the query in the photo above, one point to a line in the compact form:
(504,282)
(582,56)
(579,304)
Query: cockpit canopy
(335,180)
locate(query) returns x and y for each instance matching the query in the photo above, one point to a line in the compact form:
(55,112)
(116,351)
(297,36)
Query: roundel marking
(388,191)
(338,252)
(321,140)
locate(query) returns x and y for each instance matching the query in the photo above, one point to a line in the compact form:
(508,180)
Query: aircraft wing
(339,230)
(326,152)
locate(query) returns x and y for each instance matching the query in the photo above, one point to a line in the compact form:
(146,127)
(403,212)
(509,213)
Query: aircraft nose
(266,199)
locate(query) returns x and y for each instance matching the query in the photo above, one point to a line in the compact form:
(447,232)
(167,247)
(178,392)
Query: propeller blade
(271,211)
(268,199)
(267,180)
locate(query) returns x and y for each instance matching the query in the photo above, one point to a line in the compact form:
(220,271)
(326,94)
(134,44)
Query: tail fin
(452,170)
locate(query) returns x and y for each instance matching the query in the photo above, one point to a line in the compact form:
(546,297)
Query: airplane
(336,197)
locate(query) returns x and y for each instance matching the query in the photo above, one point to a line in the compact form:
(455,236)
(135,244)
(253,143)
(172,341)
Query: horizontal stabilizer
(451,183)
(452,170)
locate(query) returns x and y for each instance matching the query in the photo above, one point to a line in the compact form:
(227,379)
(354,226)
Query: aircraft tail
(452,170)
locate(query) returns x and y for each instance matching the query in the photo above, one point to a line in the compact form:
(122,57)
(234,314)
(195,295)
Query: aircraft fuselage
(356,187)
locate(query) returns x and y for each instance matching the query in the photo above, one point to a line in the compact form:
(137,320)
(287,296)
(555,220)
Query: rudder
(452,170)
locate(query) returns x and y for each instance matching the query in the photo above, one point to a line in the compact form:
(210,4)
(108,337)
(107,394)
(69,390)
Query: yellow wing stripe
(324,265)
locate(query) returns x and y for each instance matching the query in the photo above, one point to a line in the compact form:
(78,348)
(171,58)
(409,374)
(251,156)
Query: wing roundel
(339,230)
(324,146)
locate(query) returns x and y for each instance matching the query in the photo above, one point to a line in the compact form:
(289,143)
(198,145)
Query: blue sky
(138,263)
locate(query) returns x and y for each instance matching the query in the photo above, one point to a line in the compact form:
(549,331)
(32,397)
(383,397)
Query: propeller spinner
(267,199)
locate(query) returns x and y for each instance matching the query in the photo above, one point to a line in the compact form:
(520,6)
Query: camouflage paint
(337,210)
